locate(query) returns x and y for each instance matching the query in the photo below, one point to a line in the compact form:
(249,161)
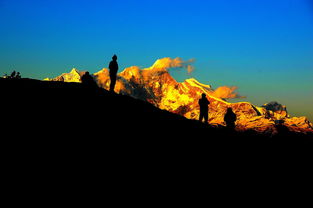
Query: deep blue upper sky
(263,47)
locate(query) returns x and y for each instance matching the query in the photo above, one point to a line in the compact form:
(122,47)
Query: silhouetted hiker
(18,75)
(204,108)
(13,74)
(113,66)
(230,118)
(88,81)
(282,130)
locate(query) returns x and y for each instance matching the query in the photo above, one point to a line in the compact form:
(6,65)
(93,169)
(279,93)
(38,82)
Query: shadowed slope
(70,110)
(60,133)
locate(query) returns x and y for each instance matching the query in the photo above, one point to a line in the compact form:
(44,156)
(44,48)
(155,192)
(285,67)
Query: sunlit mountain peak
(157,86)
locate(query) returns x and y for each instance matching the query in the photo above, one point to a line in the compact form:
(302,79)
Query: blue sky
(263,47)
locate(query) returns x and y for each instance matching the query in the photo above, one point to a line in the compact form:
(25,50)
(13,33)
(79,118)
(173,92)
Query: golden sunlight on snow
(155,85)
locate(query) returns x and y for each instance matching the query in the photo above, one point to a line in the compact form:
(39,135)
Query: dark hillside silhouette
(61,120)
(53,106)
(49,108)
(56,133)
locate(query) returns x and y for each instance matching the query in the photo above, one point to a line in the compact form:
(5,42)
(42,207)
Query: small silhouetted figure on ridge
(230,118)
(282,130)
(13,74)
(113,66)
(88,81)
(204,108)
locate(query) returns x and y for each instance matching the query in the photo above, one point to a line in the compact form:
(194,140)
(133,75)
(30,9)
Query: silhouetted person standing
(204,108)
(113,71)
(282,130)
(13,74)
(88,81)
(230,118)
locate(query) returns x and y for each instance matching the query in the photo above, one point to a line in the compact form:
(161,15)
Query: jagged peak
(160,64)
(74,70)
(104,70)
(194,82)
(218,99)
(274,106)
(133,70)
(166,63)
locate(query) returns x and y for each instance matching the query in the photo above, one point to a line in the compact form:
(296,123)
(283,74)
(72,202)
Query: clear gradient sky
(265,47)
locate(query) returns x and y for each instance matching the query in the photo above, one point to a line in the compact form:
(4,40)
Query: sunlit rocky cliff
(157,86)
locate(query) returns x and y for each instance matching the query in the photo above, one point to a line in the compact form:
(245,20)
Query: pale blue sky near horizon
(265,48)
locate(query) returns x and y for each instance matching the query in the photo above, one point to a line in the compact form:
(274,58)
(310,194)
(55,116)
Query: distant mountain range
(156,86)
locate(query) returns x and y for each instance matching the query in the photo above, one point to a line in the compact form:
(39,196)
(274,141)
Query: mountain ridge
(155,85)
